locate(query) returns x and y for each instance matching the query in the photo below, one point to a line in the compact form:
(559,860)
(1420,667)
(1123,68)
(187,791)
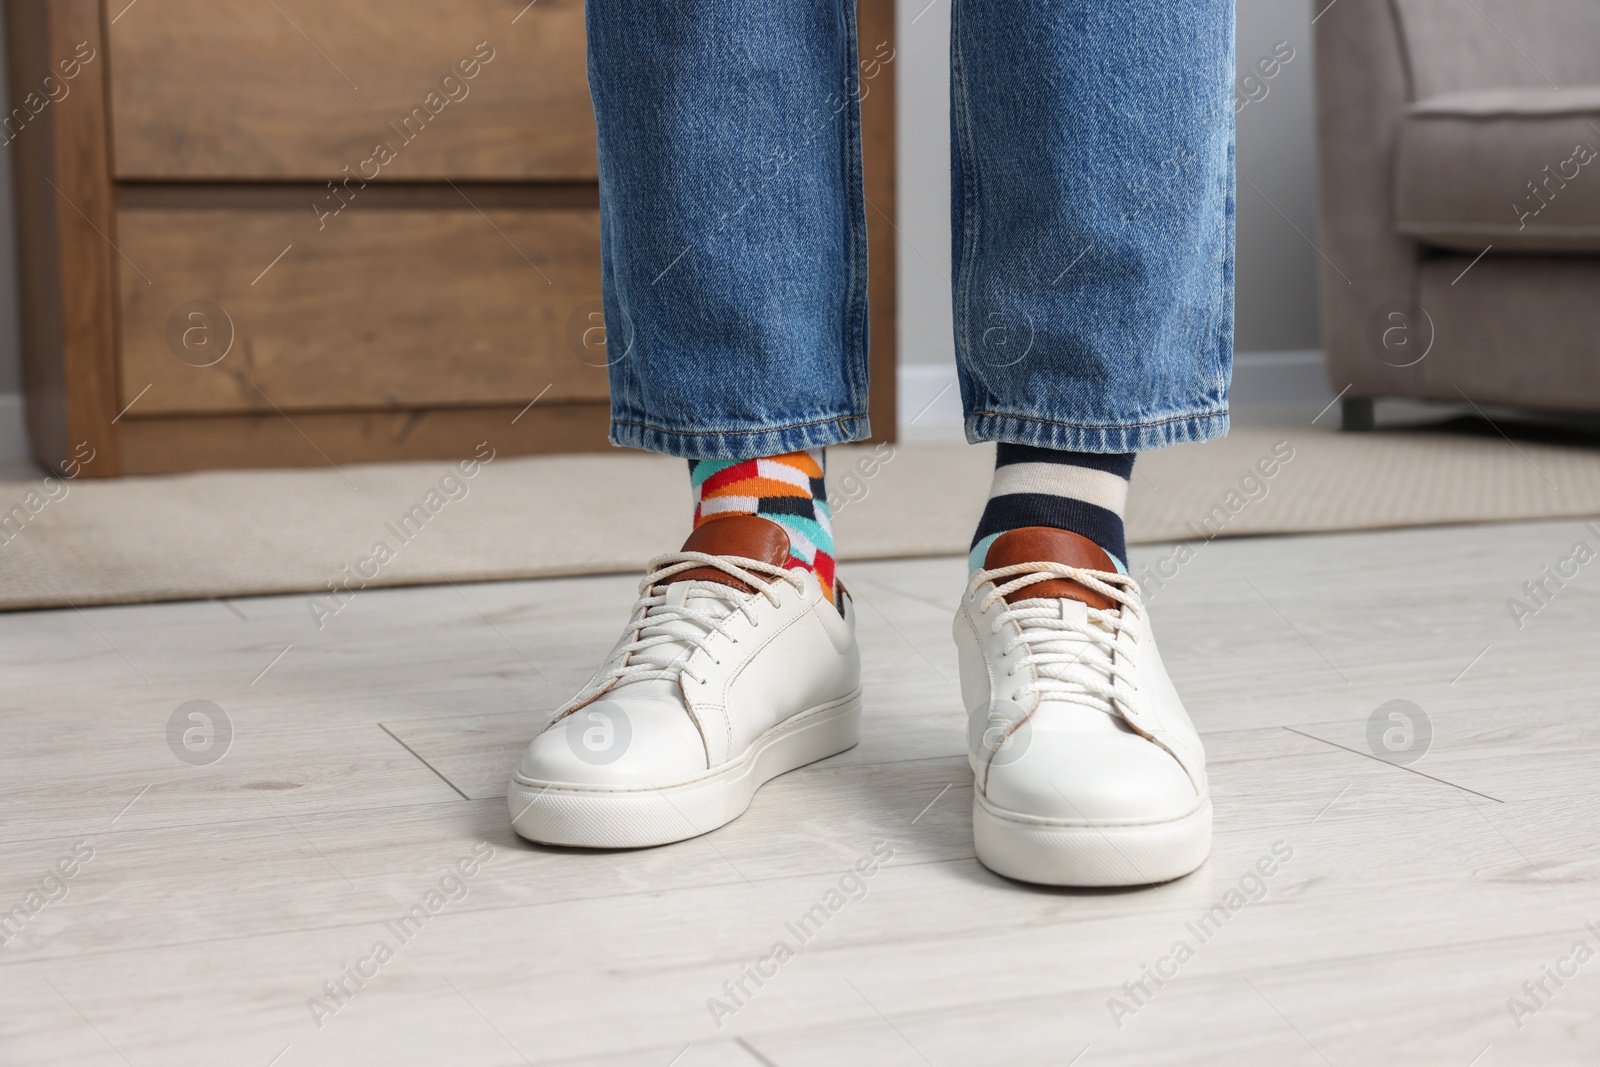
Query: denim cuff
(741,444)
(1070,437)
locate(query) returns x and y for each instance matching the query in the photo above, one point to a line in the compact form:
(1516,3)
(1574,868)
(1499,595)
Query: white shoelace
(1072,661)
(674,620)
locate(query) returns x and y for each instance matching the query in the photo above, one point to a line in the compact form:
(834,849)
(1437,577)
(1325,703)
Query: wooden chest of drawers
(296,233)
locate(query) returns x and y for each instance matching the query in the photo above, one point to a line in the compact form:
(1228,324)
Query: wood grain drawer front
(297,89)
(228,310)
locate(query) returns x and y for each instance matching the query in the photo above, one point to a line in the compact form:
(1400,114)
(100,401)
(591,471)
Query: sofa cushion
(1518,169)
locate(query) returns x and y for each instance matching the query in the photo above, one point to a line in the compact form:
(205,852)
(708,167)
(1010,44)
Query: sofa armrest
(1453,47)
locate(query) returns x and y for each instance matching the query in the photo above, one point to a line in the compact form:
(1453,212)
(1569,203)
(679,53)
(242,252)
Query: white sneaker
(1087,770)
(731,672)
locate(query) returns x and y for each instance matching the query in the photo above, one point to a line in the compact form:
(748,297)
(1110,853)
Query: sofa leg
(1357,413)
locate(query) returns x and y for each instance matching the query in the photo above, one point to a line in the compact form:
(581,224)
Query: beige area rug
(237,533)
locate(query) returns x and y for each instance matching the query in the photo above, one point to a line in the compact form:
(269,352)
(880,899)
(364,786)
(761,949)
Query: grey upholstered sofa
(1460,201)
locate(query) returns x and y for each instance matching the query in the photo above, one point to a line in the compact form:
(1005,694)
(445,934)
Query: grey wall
(1276,271)
(1275,274)
(10,345)
(1275,277)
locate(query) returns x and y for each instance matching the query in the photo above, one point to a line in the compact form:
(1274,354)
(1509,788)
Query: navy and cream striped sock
(1082,492)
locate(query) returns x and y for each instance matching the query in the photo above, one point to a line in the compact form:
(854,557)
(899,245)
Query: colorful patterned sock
(786,489)
(1081,492)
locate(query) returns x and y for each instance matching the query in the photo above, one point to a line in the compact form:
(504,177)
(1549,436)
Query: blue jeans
(1092,204)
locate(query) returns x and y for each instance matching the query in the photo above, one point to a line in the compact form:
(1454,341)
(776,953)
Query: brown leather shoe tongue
(1045,544)
(741,536)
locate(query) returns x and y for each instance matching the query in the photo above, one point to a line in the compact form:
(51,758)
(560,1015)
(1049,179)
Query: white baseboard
(1276,379)
(929,402)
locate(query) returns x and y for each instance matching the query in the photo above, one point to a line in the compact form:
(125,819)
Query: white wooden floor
(209,904)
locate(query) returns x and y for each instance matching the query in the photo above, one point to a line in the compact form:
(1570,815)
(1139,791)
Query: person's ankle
(789,490)
(1083,493)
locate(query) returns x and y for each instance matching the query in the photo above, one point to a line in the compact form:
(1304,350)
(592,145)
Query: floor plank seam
(424,762)
(1396,766)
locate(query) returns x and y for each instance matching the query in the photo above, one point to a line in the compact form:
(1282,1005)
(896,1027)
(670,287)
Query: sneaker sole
(1052,852)
(557,813)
